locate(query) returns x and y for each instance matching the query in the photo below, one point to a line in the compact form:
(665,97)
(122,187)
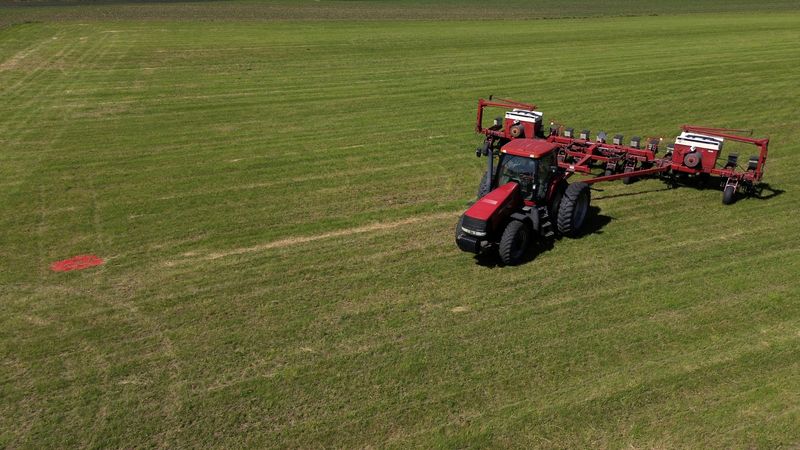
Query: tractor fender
(533,214)
(531,218)
(555,193)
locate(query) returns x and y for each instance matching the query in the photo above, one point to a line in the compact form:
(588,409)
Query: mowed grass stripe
(34,105)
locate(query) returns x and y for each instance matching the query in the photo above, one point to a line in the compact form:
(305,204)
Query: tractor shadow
(595,222)
(763,191)
(628,194)
(770,191)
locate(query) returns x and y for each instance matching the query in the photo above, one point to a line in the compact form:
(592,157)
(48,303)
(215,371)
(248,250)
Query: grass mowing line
(14,60)
(173,402)
(30,75)
(34,105)
(293,181)
(31,102)
(21,123)
(379,226)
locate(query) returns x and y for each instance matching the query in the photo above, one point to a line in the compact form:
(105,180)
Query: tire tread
(506,248)
(566,211)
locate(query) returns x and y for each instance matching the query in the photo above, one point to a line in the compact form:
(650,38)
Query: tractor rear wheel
(484,188)
(556,200)
(515,241)
(574,209)
(729,195)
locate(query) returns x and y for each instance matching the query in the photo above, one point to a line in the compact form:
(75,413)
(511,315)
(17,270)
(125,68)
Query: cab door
(544,175)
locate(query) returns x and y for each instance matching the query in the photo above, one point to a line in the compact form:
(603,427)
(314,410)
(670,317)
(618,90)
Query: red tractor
(524,193)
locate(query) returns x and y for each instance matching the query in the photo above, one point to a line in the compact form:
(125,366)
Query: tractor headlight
(474,227)
(473,232)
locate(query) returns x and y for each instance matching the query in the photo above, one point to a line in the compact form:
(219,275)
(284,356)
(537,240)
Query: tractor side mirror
(497,124)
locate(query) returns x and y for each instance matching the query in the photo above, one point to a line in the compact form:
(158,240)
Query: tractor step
(545,226)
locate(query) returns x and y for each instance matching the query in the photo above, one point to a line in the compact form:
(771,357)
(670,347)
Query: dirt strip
(379,226)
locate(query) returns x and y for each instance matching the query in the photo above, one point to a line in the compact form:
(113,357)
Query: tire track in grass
(37,103)
(343,174)
(31,90)
(127,308)
(19,125)
(172,368)
(295,240)
(23,117)
(13,61)
(24,54)
(93,54)
(164,162)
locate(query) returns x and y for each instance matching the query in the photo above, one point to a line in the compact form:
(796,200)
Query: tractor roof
(529,148)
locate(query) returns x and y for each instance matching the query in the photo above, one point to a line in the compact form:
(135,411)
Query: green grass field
(275,191)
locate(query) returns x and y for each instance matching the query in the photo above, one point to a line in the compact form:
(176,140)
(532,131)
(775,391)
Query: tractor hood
(490,207)
(485,218)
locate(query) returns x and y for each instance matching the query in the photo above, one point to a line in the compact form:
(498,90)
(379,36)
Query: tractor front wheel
(514,243)
(574,209)
(729,195)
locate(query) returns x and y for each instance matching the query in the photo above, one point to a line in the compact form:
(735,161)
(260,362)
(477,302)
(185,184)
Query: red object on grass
(79,262)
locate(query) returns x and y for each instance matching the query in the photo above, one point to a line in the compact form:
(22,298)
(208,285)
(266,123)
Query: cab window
(520,170)
(543,176)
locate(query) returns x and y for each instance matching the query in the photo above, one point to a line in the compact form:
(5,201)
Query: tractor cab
(529,163)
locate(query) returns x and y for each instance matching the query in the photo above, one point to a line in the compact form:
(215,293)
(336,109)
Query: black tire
(557,196)
(574,209)
(514,243)
(608,172)
(484,188)
(627,180)
(728,195)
